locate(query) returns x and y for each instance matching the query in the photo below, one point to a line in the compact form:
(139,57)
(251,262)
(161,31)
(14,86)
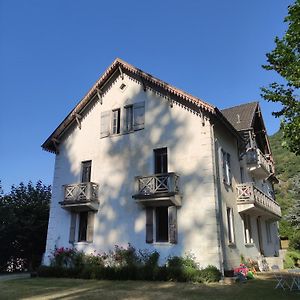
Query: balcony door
(86,167)
(160,161)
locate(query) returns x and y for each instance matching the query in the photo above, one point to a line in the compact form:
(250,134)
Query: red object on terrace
(241,269)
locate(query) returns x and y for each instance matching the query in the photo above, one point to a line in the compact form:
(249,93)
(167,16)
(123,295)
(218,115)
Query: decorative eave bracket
(100,95)
(55,142)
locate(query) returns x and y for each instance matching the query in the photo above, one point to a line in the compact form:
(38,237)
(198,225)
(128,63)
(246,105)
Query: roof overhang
(149,82)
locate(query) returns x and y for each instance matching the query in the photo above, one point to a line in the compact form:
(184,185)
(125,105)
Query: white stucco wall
(116,160)
(232,252)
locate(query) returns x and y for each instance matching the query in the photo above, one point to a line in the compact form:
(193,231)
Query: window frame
(226,168)
(116,121)
(127,121)
(248,237)
(230,225)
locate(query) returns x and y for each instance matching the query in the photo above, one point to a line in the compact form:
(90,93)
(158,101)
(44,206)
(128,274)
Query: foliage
(284,60)
(210,274)
(288,190)
(294,243)
(126,264)
(291,259)
(24,216)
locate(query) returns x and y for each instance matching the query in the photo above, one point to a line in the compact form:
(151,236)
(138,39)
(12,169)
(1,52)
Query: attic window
(238,119)
(122,86)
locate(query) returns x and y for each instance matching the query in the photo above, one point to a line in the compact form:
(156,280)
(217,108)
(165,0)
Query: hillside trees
(23,223)
(285,61)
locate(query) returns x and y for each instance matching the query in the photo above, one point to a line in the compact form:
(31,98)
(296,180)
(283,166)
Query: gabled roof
(242,116)
(149,82)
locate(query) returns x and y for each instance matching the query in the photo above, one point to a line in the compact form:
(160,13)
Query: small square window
(122,86)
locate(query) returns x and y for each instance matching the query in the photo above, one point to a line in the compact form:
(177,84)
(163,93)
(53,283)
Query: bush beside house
(126,264)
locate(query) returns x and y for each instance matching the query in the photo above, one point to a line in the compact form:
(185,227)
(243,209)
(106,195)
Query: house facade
(139,161)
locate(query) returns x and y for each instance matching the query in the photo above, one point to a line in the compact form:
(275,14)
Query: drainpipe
(218,201)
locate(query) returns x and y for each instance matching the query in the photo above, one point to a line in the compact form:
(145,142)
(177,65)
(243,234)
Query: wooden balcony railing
(81,194)
(248,193)
(256,159)
(157,186)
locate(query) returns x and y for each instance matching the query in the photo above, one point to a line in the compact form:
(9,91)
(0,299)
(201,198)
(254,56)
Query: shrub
(294,243)
(67,258)
(210,274)
(288,262)
(291,259)
(126,264)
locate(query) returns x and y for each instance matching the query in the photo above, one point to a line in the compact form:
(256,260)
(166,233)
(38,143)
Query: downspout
(218,203)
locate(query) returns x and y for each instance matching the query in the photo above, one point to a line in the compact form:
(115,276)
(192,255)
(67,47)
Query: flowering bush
(125,264)
(67,257)
(16,265)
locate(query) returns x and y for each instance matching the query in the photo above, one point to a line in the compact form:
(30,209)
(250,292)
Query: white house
(139,161)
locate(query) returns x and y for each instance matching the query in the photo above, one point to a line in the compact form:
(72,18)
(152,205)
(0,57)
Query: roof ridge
(243,104)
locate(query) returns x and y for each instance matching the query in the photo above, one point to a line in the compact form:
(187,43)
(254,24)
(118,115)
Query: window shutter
(172,213)
(139,116)
(72,227)
(90,226)
(229,169)
(105,124)
(223,163)
(149,224)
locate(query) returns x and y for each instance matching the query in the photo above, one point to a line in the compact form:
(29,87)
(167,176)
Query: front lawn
(62,288)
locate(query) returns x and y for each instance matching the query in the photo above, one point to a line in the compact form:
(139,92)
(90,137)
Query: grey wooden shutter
(229,169)
(172,214)
(105,124)
(90,226)
(72,227)
(149,224)
(139,116)
(223,163)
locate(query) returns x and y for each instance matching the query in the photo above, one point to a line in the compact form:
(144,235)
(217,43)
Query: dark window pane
(83,217)
(162,234)
(86,171)
(160,161)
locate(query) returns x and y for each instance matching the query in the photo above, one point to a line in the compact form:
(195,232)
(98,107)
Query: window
(86,167)
(82,230)
(139,115)
(164,220)
(247,229)
(162,234)
(82,227)
(160,161)
(268,231)
(134,120)
(116,114)
(128,126)
(230,225)
(226,168)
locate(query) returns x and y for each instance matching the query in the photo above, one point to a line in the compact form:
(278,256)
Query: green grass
(52,288)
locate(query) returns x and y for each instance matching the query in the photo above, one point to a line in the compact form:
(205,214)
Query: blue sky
(51,53)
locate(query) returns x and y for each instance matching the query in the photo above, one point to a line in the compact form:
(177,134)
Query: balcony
(253,200)
(80,197)
(158,189)
(258,164)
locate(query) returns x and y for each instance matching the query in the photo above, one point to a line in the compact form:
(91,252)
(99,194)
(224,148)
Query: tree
(24,216)
(284,60)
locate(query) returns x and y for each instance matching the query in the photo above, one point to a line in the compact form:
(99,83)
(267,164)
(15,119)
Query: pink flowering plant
(67,257)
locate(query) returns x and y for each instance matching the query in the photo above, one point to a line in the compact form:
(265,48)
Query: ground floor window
(230,225)
(161,224)
(247,229)
(82,227)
